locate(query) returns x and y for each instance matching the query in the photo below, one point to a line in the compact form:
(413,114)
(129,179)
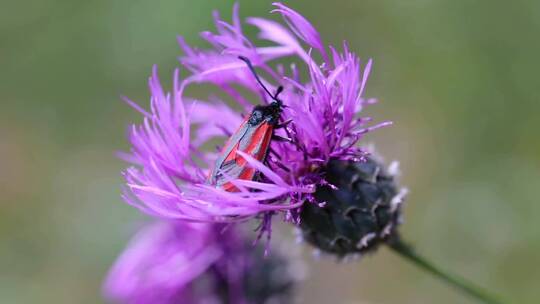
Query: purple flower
(178,262)
(160,262)
(169,178)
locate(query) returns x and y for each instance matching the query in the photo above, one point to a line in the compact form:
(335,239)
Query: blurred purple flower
(170,172)
(179,262)
(160,261)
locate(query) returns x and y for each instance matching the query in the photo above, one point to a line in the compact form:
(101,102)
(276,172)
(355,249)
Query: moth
(252,137)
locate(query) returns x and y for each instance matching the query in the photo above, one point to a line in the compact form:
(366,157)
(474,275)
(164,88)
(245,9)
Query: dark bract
(355,216)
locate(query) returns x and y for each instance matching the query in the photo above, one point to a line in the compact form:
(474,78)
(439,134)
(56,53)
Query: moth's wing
(228,170)
(229,150)
(252,140)
(257,147)
(258,143)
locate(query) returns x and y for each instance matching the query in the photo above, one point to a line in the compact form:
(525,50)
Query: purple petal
(301,27)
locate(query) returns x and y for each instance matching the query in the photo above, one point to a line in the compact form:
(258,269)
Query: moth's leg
(290,136)
(278,91)
(274,153)
(279,164)
(283,139)
(288,133)
(284,124)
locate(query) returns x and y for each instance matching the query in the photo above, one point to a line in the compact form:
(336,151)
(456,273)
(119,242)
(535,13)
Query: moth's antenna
(250,66)
(278,91)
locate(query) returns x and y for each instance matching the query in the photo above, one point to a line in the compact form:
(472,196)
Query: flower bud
(357,211)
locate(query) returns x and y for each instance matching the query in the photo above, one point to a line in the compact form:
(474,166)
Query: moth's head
(269,113)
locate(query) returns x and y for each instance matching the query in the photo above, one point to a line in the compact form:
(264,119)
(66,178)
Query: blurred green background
(459,79)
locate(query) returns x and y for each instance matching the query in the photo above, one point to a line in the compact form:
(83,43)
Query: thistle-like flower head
(160,262)
(178,262)
(321,114)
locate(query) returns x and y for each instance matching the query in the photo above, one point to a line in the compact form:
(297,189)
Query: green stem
(461,284)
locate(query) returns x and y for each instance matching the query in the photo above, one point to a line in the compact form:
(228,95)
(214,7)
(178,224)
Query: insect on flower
(253,137)
(173,177)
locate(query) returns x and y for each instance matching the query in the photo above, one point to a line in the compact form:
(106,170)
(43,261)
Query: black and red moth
(253,137)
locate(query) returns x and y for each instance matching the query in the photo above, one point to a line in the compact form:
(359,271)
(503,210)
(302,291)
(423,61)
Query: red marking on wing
(229,187)
(233,155)
(260,139)
(257,148)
